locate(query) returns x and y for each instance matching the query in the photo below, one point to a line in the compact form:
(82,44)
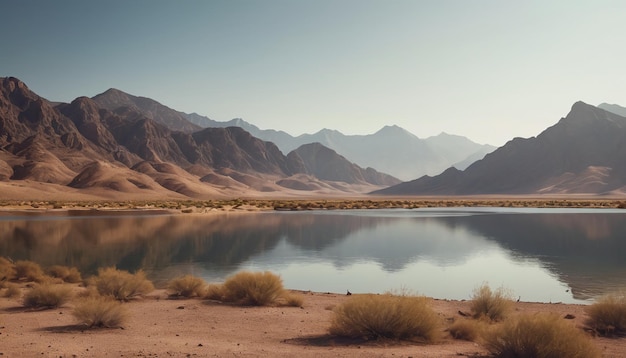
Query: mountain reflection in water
(540,254)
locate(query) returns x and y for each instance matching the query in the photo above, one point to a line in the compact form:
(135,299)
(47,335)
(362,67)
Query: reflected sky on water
(547,255)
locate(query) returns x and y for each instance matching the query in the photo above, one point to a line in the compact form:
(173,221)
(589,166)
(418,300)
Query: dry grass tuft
(467,329)
(67,274)
(29,271)
(293,299)
(122,285)
(12,291)
(489,304)
(541,336)
(187,286)
(47,296)
(7,270)
(253,288)
(608,315)
(99,311)
(386,316)
(214,292)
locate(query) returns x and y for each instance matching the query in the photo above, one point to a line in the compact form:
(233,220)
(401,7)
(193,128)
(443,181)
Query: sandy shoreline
(162,327)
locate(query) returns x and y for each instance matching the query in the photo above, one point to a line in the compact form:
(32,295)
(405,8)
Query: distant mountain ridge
(582,154)
(85,146)
(391,150)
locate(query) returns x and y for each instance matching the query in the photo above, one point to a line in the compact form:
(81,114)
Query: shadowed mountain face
(324,163)
(83,145)
(583,153)
(115,100)
(391,150)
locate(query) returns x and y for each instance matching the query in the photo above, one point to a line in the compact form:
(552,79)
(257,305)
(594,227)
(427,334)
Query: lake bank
(160,327)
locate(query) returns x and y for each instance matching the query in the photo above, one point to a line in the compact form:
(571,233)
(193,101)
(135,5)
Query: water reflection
(542,255)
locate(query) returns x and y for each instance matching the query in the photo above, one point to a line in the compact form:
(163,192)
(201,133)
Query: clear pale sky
(487,70)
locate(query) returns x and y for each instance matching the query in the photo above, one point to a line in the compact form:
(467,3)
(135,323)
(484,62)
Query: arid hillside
(118,147)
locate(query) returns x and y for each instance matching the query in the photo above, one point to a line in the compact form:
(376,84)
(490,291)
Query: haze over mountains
(582,154)
(391,150)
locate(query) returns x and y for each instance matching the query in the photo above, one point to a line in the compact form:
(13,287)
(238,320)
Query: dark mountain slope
(326,164)
(114,99)
(233,147)
(582,153)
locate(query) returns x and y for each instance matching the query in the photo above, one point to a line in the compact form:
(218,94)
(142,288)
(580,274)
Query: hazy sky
(488,70)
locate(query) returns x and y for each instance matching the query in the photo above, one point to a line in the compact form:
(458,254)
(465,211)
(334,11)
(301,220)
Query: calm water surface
(546,255)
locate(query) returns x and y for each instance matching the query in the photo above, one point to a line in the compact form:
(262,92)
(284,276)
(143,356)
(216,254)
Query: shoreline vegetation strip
(191,206)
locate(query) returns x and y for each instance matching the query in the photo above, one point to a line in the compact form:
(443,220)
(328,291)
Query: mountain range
(392,149)
(103,146)
(581,154)
(119,145)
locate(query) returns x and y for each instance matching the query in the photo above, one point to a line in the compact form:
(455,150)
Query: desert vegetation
(607,316)
(541,336)
(67,274)
(100,311)
(187,286)
(403,317)
(493,305)
(47,295)
(392,316)
(250,289)
(468,329)
(191,206)
(121,285)
(28,271)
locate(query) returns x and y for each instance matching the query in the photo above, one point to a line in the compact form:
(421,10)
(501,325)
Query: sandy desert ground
(162,327)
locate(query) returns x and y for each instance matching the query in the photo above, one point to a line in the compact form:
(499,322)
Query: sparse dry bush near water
(493,305)
(541,336)
(389,316)
(67,274)
(28,271)
(187,286)
(122,285)
(47,296)
(386,316)
(253,289)
(99,311)
(608,315)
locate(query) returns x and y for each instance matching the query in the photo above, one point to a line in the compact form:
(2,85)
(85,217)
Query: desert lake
(541,255)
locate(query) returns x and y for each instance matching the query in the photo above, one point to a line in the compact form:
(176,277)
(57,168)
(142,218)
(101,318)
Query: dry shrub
(467,329)
(7,270)
(492,305)
(99,311)
(253,288)
(12,291)
(122,285)
(29,271)
(293,299)
(187,286)
(608,315)
(214,292)
(386,316)
(67,274)
(540,336)
(47,296)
